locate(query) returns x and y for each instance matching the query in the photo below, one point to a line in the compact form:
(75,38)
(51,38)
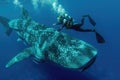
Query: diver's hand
(54,24)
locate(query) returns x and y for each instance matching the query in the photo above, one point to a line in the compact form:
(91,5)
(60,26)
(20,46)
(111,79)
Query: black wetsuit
(78,27)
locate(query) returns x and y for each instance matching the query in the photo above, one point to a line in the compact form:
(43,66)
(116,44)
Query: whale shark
(48,44)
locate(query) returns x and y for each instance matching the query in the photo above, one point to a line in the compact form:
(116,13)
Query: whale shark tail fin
(4,21)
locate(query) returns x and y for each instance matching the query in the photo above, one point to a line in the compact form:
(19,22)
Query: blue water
(107,16)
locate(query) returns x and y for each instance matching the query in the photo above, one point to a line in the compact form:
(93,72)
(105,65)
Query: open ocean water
(106,13)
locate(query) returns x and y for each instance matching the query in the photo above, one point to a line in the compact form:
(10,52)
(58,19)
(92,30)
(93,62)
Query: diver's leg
(90,19)
(99,38)
(78,28)
(81,22)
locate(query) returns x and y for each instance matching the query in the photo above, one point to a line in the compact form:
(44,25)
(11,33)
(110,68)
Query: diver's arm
(61,28)
(56,24)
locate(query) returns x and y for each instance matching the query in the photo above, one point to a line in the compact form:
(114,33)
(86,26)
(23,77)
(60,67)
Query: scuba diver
(67,21)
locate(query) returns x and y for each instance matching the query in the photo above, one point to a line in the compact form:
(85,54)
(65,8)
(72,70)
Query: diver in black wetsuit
(67,21)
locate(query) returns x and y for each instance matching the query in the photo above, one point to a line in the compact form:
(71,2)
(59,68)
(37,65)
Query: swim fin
(99,38)
(91,20)
(4,21)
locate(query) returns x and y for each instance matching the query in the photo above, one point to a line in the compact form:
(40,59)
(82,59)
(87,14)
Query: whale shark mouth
(87,65)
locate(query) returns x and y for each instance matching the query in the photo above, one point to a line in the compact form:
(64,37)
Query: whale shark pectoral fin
(19,57)
(21,39)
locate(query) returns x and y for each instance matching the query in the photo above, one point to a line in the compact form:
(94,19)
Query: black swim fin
(99,38)
(4,21)
(91,20)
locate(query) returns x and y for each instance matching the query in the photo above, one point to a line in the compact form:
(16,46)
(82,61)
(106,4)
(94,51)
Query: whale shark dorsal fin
(25,14)
(21,56)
